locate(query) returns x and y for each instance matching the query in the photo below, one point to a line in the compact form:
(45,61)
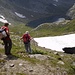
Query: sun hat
(27,32)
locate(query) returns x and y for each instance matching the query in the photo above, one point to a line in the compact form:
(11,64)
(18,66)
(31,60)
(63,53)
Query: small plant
(71,70)
(21,74)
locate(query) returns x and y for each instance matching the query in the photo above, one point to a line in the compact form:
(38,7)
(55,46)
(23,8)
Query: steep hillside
(71,12)
(42,61)
(56,28)
(35,11)
(43,6)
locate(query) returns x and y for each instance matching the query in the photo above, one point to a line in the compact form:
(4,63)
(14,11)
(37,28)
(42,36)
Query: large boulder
(70,50)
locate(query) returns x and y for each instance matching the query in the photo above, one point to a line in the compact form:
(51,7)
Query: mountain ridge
(35,10)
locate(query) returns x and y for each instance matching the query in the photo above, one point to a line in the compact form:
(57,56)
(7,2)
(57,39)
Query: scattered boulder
(61,62)
(70,50)
(73,63)
(38,56)
(11,65)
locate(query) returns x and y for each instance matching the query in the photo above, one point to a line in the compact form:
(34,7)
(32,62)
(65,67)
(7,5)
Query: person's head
(6,24)
(27,32)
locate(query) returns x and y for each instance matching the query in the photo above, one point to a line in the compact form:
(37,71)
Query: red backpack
(26,38)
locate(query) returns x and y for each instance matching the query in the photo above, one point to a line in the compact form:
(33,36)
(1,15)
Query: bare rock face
(44,6)
(71,12)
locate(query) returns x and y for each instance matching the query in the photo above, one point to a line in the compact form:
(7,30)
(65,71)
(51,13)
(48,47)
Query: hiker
(7,40)
(26,39)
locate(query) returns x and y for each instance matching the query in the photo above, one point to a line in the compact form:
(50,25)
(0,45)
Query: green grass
(49,29)
(53,29)
(19,29)
(20,74)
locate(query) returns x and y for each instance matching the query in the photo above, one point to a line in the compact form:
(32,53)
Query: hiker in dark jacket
(7,41)
(26,39)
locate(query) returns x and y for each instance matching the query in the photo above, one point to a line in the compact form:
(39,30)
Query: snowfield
(56,42)
(2,19)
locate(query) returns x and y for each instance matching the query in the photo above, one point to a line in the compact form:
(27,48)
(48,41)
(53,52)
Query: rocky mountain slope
(71,12)
(42,61)
(39,11)
(38,64)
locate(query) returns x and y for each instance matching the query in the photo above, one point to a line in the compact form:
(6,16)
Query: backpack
(2,33)
(27,38)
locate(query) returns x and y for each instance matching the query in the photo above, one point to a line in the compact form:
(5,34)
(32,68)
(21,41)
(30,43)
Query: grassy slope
(45,30)
(48,29)
(51,30)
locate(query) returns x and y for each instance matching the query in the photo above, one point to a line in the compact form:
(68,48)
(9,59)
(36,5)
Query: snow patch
(1,16)
(60,20)
(57,42)
(54,4)
(2,19)
(20,15)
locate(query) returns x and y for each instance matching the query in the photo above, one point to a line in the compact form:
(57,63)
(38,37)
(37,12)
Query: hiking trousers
(7,46)
(27,47)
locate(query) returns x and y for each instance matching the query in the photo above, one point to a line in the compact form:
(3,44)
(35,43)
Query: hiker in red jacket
(26,39)
(7,41)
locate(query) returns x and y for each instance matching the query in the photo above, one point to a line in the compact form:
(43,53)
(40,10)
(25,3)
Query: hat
(27,32)
(6,24)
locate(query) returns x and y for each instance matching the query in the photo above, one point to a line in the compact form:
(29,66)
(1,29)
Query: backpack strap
(1,30)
